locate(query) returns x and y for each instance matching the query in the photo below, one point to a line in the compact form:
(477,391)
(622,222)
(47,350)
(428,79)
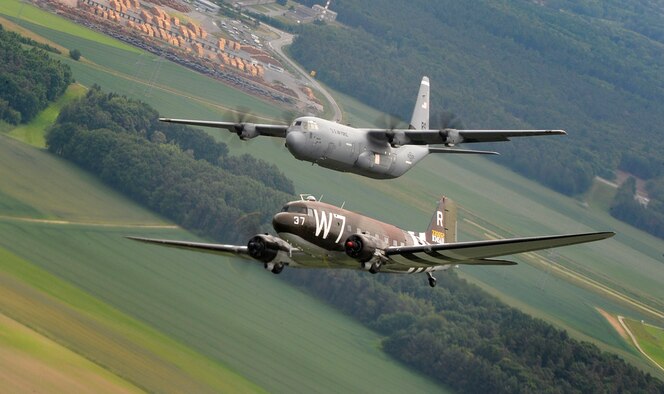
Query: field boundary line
(622,323)
(95,224)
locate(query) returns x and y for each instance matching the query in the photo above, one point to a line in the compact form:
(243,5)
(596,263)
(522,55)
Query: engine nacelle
(246,131)
(265,247)
(362,247)
(451,137)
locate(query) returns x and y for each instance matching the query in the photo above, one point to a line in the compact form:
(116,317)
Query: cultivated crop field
(491,197)
(224,324)
(650,338)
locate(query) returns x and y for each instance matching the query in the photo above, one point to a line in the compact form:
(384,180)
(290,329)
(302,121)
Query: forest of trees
(175,170)
(582,66)
(455,333)
(649,218)
(470,341)
(29,78)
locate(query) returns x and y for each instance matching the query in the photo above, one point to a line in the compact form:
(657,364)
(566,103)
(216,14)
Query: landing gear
(275,268)
(375,267)
(432,280)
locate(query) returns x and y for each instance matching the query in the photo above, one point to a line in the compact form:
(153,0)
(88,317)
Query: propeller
(448,120)
(389,123)
(256,247)
(246,226)
(448,123)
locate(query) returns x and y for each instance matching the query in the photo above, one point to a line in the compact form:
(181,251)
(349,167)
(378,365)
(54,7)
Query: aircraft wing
(226,250)
(452,136)
(272,130)
(480,252)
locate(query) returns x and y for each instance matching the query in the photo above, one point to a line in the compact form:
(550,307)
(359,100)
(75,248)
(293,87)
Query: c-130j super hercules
(313,234)
(374,153)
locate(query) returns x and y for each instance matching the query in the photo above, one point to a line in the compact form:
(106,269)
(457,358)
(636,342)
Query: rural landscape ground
(132,317)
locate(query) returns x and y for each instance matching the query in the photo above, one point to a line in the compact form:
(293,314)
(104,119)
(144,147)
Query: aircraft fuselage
(344,148)
(320,230)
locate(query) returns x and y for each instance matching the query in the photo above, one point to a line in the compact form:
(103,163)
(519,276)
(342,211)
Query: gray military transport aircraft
(371,152)
(313,234)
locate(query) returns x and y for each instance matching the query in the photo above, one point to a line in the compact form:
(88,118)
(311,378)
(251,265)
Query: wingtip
(164,119)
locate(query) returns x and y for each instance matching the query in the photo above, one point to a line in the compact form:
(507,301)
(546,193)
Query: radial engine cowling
(362,247)
(265,247)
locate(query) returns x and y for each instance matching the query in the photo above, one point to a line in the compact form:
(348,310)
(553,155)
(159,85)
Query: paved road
(287,39)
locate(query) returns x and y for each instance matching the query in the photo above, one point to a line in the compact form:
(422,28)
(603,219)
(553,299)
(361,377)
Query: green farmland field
(650,338)
(33,132)
(490,196)
(221,324)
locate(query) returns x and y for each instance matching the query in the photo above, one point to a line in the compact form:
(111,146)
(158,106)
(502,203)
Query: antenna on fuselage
(342,204)
(307,197)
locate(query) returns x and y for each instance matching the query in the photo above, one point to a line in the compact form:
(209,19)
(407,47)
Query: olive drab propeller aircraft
(313,234)
(372,152)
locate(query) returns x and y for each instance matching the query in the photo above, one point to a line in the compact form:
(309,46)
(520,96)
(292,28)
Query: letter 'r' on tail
(443,226)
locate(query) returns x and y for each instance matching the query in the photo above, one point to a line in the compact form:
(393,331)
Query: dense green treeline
(469,340)
(29,78)
(455,333)
(463,337)
(648,217)
(177,171)
(578,66)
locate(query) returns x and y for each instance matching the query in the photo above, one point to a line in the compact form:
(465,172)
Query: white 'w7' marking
(324,224)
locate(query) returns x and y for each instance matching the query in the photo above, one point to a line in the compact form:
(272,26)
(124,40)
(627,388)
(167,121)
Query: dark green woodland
(595,69)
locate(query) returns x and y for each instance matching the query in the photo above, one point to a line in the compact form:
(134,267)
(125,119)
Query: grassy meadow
(650,338)
(33,133)
(237,314)
(25,353)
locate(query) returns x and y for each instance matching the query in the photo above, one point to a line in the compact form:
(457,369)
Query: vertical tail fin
(443,226)
(420,119)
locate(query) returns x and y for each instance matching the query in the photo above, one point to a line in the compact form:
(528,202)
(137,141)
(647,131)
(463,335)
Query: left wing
(479,252)
(272,130)
(226,250)
(452,136)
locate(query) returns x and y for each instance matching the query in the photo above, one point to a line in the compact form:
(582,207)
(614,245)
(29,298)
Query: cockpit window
(309,125)
(294,209)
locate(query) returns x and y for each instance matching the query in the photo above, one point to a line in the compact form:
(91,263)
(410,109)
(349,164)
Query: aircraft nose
(282,222)
(296,142)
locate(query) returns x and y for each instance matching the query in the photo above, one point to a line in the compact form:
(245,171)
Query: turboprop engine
(451,137)
(246,131)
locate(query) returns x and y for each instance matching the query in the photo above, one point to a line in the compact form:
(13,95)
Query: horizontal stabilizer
(461,151)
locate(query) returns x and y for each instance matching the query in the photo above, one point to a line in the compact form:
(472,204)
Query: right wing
(478,252)
(225,250)
(272,130)
(452,136)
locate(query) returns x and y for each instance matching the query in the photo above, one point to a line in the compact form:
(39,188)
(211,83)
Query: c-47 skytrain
(313,234)
(380,153)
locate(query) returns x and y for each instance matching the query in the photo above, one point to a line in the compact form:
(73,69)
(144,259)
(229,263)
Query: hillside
(596,71)
(130,318)
(503,212)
